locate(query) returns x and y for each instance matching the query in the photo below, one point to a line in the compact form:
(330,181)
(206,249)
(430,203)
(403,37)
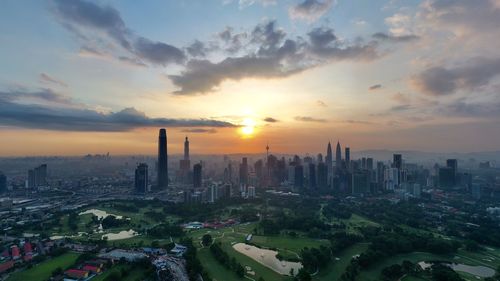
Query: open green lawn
(337,267)
(43,271)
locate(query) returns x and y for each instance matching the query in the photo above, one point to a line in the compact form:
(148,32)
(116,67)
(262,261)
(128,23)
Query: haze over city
(83,77)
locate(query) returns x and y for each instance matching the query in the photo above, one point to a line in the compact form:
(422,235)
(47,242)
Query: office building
(162,160)
(197,175)
(141,178)
(3,183)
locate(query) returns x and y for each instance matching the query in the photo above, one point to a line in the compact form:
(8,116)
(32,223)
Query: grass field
(337,267)
(43,271)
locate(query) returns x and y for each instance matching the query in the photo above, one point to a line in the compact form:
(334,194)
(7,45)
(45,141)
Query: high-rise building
(3,183)
(446,177)
(453,164)
(186,149)
(185,163)
(322,176)
(369,164)
(162,160)
(319,158)
(312,176)
(299,176)
(37,177)
(197,175)
(338,156)
(360,182)
(329,154)
(397,161)
(244,171)
(141,178)
(348,157)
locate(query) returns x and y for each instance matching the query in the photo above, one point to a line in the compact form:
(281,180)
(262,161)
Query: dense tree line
(112,222)
(193,265)
(165,230)
(314,259)
(230,263)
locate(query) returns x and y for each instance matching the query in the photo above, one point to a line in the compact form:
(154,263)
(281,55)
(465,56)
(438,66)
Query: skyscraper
(397,161)
(3,183)
(38,176)
(312,176)
(338,156)
(185,163)
(162,160)
(141,178)
(197,175)
(348,157)
(329,155)
(244,171)
(322,176)
(186,149)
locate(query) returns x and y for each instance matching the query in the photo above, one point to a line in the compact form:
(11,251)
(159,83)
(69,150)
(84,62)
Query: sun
(248,127)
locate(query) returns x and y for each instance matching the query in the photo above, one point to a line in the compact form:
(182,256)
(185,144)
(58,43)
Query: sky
(81,76)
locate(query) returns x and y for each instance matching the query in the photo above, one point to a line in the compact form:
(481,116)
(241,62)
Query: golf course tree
(303,275)
(206,240)
(223,258)
(193,264)
(314,259)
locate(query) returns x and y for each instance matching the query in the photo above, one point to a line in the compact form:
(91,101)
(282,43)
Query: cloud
(400,98)
(462,15)
(309,119)
(233,42)
(402,107)
(45,78)
(88,21)
(246,3)
(321,103)
(439,80)
(197,49)
(274,56)
(463,108)
(44,95)
(64,115)
(324,45)
(200,131)
(310,10)
(395,38)
(374,87)
(270,120)
(203,76)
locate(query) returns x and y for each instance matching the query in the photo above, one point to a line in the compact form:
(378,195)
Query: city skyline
(92,77)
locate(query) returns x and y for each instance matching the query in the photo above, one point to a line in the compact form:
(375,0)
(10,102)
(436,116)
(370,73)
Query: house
(76,273)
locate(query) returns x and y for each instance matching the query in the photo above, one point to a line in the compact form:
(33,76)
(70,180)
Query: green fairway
(337,267)
(43,271)
(228,236)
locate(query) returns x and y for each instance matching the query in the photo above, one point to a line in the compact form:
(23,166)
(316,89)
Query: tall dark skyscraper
(162,160)
(312,176)
(397,161)
(322,176)
(348,157)
(186,149)
(141,178)
(3,183)
(338,156)
(197,175)
(329,155)
(244,171)
(453,164)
